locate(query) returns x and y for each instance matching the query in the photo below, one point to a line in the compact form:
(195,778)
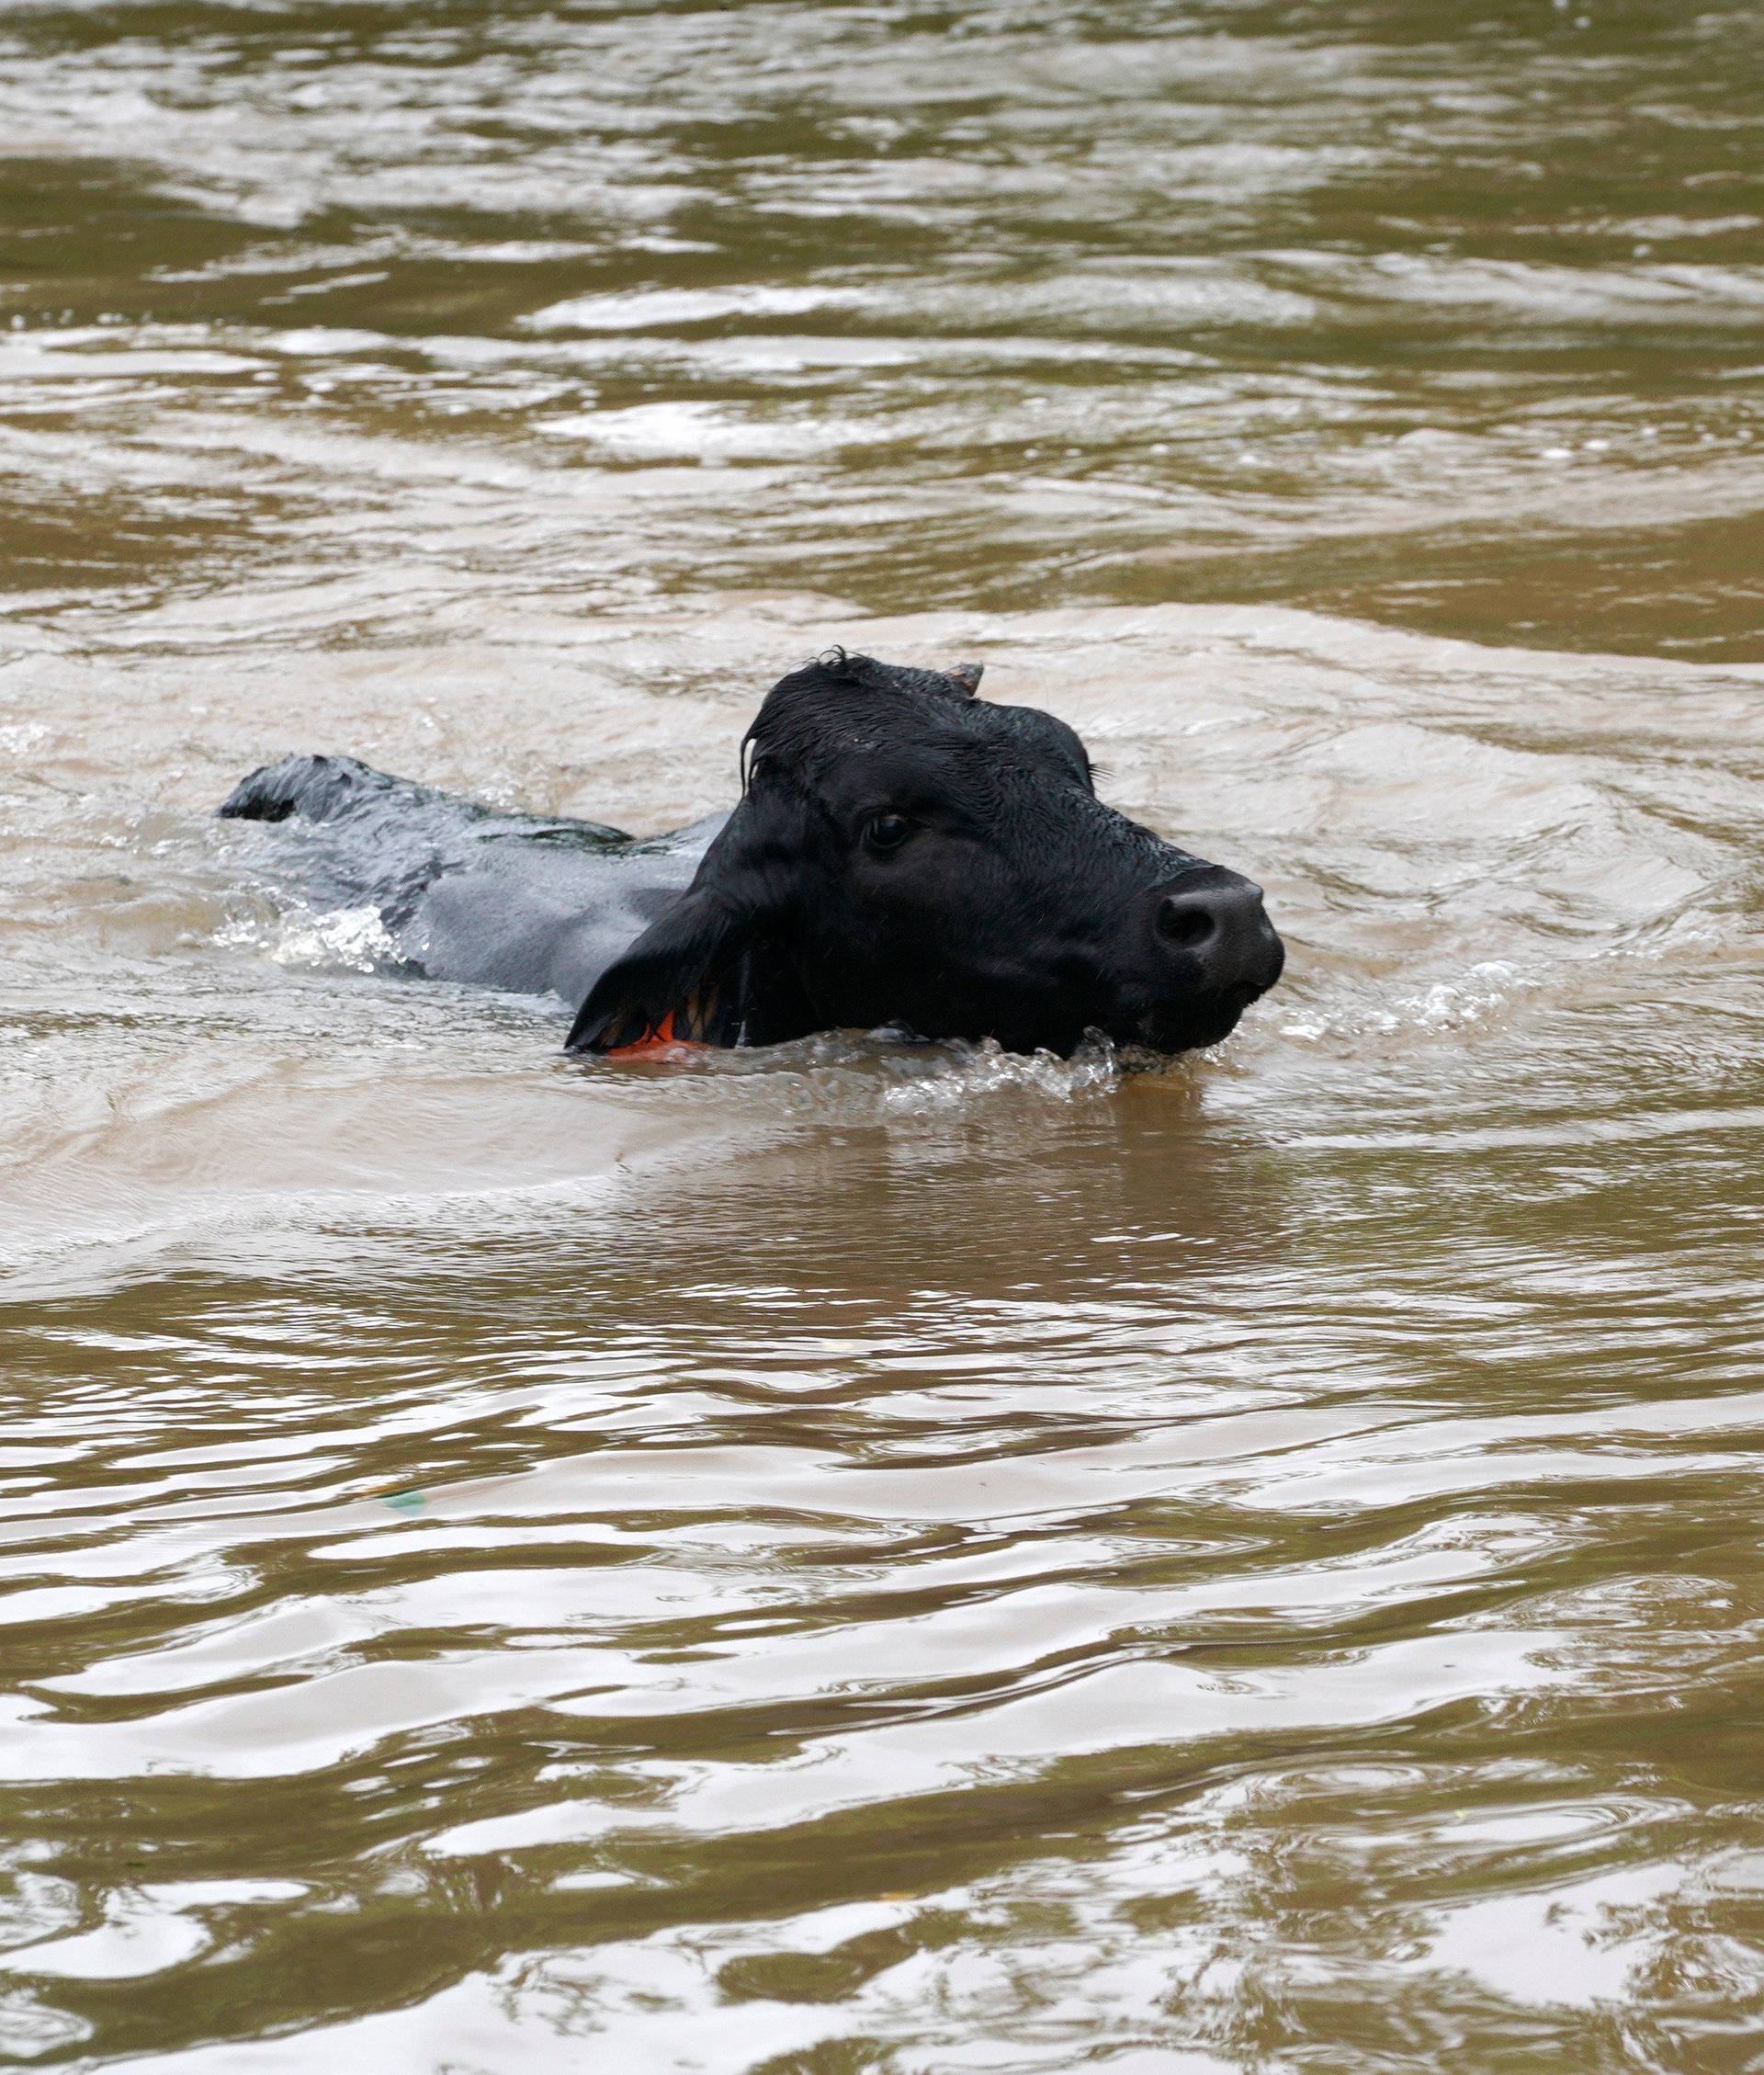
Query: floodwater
(854,1560)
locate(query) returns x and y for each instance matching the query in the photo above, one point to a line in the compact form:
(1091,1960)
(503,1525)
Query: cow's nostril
(1186,923)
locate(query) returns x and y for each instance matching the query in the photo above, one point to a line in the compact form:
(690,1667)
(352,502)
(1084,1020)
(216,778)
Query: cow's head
(906,853)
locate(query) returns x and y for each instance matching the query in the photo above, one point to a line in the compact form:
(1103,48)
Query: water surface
(857,1558)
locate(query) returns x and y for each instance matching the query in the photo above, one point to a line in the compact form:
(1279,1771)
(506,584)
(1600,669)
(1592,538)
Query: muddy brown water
(853,1559)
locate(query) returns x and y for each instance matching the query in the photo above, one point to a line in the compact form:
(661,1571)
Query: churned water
(857,1558)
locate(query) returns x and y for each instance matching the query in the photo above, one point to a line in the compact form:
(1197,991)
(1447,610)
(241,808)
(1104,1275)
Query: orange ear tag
(657,1043)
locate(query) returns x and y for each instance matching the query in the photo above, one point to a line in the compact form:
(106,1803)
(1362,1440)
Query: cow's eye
(886,832)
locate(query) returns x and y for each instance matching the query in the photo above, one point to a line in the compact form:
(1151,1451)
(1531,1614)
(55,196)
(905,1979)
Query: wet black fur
(902,853)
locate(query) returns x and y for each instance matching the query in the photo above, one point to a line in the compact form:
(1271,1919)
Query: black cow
(903,854)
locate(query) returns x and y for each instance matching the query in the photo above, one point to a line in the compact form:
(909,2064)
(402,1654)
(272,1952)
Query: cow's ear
(682,980)
(669,987)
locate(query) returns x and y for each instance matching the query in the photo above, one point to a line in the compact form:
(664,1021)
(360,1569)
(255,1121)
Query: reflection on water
(865,1558)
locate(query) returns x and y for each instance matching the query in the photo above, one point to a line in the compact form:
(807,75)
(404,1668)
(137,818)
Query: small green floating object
(410,1504)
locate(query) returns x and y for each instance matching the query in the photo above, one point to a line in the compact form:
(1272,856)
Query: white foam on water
(967,1073)
(703,431)
(1475,1001)
(638,309)
(344,939)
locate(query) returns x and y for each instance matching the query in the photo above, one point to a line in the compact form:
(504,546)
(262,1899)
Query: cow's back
(533,905)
